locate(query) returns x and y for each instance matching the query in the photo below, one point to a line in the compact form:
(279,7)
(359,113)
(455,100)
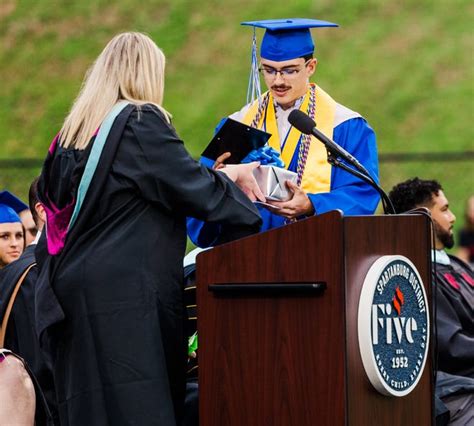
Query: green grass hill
(406,65)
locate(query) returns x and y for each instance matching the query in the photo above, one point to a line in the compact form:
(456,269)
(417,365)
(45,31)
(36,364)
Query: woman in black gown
(109,295)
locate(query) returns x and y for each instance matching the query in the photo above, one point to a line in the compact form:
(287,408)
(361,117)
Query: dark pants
(191,404)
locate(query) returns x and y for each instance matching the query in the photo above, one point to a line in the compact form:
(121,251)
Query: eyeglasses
(286,73)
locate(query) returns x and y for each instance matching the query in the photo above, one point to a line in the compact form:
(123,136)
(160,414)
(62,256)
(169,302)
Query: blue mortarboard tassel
(254,91)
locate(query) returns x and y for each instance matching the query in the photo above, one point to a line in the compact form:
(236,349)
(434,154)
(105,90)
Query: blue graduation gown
(348,193)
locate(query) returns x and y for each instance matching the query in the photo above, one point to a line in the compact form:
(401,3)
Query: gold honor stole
(317,171)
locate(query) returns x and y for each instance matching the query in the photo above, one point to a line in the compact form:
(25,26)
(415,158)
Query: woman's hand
(242,175)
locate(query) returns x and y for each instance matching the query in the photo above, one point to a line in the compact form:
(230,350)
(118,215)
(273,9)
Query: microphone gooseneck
(306,125)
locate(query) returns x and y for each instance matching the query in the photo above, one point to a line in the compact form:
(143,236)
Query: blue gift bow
(266,155)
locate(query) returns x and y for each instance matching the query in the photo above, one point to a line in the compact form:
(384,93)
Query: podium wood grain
(285,360)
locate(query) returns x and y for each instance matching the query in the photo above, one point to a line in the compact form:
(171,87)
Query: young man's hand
(298,205)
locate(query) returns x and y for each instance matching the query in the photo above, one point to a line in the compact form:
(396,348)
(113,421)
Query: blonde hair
(131,68)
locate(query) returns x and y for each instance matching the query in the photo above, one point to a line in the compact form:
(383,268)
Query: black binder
(236,138)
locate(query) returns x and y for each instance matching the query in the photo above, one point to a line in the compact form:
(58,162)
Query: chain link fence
(454,170)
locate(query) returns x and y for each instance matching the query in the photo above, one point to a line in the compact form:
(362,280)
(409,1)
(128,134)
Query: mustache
(280,86)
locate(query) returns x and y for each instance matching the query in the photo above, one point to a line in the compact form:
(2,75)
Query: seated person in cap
(286,64)
(17,393)
(23,211)
(12,239)
(20,335)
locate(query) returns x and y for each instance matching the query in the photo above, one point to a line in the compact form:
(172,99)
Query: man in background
(454,286)
(29,224)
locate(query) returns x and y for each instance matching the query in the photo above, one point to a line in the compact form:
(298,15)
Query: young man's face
(11,242)
(29,225)
(287,80)
(443,221)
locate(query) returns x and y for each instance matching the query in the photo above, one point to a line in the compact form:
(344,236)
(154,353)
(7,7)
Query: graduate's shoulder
(240,115)
(343,114)
(349,123)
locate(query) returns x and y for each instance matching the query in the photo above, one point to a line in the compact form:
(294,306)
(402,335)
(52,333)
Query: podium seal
(393,325)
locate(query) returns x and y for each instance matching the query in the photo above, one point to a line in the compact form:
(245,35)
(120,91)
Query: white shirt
(440,256)
(281,117)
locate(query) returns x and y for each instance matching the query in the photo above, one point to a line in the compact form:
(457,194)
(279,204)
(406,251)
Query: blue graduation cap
(10,206)
(8,215)
(284,39)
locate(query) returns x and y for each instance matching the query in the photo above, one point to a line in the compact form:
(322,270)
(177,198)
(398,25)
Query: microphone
(302,122)
(306,125)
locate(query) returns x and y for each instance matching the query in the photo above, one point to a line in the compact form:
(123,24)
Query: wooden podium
(289,356)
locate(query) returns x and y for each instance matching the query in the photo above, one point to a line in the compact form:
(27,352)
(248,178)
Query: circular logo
(393,325)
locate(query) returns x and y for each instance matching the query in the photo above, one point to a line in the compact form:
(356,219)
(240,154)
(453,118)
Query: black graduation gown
(110,305)
(20,335)
(455,318)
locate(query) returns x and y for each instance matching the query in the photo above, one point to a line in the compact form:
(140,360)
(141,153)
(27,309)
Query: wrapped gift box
(271,181)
